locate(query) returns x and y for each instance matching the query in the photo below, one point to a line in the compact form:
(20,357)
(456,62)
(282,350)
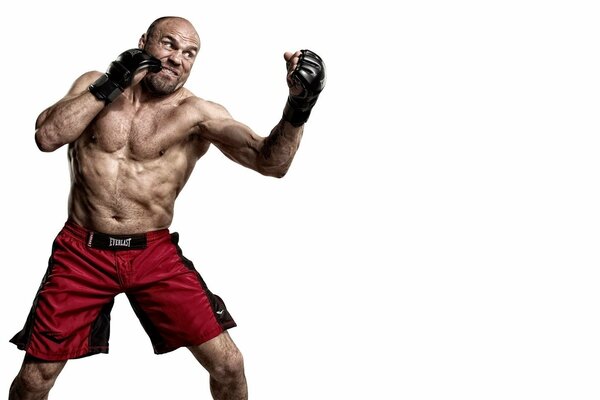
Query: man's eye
(168,45)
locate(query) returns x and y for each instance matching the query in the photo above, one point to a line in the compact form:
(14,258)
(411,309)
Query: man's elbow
(274,172)
(279,174)
(44,141)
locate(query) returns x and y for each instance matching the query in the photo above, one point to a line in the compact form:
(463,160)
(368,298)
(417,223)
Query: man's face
(175,43)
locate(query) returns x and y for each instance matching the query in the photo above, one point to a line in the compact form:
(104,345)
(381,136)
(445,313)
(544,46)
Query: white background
(436,237)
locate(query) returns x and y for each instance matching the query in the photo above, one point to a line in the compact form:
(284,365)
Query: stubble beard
(162,87)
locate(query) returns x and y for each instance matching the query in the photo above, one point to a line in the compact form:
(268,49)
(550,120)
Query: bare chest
(138,134)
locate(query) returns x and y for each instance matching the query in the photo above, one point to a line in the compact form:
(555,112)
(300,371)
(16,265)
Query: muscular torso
(131,162)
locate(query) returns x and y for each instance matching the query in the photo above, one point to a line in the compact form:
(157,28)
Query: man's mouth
(170,71)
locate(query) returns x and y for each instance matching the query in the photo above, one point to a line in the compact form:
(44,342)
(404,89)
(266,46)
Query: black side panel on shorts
(216,303)
(22,338)
(101,327)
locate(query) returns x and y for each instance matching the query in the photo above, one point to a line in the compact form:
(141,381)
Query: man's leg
(35,379)
(225,364)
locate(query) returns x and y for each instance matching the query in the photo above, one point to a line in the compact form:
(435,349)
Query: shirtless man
(134,135)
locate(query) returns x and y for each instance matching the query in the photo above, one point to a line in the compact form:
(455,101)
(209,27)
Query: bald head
(162,20)
(175,42)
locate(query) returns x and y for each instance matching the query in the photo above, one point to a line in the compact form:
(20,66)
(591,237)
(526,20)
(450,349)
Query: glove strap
(294,115)
(105,89)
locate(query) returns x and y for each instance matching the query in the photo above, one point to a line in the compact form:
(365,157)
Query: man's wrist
(294,114)
(105,89)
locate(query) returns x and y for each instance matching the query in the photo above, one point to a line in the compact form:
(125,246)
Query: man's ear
(142,41)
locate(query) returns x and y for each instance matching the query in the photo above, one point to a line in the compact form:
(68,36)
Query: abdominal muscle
(115,193)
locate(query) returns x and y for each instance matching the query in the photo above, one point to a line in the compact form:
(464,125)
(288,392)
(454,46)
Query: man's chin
(159,87)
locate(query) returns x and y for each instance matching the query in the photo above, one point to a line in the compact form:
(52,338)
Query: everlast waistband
(106,241)
(103,241)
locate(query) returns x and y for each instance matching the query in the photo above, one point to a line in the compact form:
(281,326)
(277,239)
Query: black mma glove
(310,74)
(120,73)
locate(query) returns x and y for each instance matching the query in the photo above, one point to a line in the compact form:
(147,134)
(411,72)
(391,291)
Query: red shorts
(70,316)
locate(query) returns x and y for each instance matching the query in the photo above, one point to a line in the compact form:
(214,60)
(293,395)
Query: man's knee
(221,358)
(37,377)
(231,368)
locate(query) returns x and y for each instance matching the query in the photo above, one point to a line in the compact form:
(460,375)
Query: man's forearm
(64,122)
(279,148)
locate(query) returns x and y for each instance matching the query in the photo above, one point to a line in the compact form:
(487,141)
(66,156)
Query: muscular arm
(271,155)
(65,121)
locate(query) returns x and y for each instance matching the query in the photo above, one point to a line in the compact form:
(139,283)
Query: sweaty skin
(130,159)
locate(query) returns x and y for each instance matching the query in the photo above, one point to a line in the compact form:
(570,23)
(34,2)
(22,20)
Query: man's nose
(175,57)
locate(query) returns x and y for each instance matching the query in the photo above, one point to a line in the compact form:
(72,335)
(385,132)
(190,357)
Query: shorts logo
(120,242)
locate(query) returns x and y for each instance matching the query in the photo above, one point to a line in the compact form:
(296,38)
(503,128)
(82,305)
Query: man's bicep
(234,139)
(80,85)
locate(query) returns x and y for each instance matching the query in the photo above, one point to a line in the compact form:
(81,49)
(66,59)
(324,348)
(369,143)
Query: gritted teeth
(170,71)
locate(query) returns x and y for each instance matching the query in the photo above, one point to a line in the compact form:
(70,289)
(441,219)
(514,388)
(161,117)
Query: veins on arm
(279,148)
(271,155)
(65,121)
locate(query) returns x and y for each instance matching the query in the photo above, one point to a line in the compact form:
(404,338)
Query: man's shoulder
(83,81)
(89,76)
(196,101)
(209,109)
